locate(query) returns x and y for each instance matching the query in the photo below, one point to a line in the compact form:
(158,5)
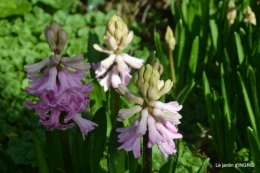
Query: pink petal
(35,68)
(132,61)
(84,125)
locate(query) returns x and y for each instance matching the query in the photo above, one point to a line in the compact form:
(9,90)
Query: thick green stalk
(147,155)
(114,105)
(64,137)
(173,75)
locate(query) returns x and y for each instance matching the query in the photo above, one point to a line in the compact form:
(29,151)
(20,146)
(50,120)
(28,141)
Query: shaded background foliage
(201,31)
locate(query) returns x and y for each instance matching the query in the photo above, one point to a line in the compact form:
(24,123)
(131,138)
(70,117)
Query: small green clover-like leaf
(83,32)
(5,27)
(60,16)
(75,21)
(14,7)
(95,18)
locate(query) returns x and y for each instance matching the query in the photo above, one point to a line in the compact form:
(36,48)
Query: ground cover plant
(140,86)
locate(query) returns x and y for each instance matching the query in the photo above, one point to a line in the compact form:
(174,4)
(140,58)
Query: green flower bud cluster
(169,38)
(56,37)
(149,85)
(116,36)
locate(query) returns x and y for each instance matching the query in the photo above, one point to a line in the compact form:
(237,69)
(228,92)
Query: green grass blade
(204,166)
(185,92)
(240,52)
(254,147)
(248,104)
(194,58)
(40,156)
(254,90)
(8,162)
(213,29)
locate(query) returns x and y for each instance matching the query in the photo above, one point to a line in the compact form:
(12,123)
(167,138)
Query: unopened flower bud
(140,82)
(156,65)
(55,27)
(166,88)
(141,72)
(62,40)
(152,94)
(231,12)
(170,40)
(117,28)
(135,78)
(249,16)
(118,36)
(51,37)
(161,69)
(153,80)
(148,71)
(124,42)
(111,28)
(134,98)
(143,89)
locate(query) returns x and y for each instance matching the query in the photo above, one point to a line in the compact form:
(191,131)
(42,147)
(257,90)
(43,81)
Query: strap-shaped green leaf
(54,149)
(248,104)
(185,92)
(41,159)
(116,158)
(98,139)
(204,166)
(254,148)
(240,51)
(194,58)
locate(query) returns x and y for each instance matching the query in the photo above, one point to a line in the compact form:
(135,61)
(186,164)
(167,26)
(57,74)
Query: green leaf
(76,21)
(80,153)
(160,54)
(8,162)
(97,96)
(194,57)
(41,159)
(254,147)
(54,149)
(248,104)
(92,4)
(204,166)
(58,4)
(240,51)
(14,7)
(214,29)
(92,54)
(116,158)
(185,92)
(254,93)
(98,137)
(180,50)
(133,163)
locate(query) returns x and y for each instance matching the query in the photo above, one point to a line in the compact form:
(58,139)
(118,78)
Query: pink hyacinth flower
(62,95)
(120,66)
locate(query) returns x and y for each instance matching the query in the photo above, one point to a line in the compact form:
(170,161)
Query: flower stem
(65,148)
(114,105)
(64,137)
(147,155)
(172,70)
